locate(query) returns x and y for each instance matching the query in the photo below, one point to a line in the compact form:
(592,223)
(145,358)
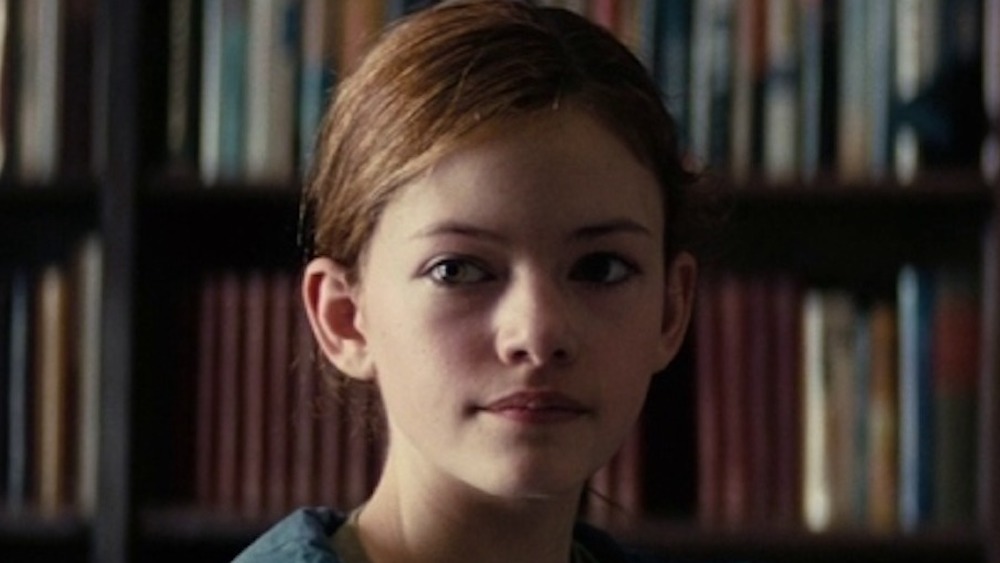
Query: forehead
(532,171)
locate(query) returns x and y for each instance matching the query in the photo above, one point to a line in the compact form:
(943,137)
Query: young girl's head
(498,203)
(468,69)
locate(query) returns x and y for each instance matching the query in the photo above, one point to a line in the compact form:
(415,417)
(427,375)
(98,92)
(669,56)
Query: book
(305,465)
(781,108)
(915,295)
(53,390)
(673,61)
(735,482)
(182,88)
(252,385)
(207,390)
(18,393)
(74,102)
(89,275)
(273,38)
(955,369)
(709,413)
(317,75)
(759,375)
(748,70)
(990,151)
(228,411)
(39,88)
(787,420)
(8,30)
(853,139)
(279,386)
(883,417)
(840,379)
(710,87)
(223,83)
(5,338)
(817,501)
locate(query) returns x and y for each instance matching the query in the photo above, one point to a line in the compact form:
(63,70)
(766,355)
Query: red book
(733,392)
(253,389)
(708,388)
(786,402)
(227,405)
(304,444)
(207,391)
(279,386)
(759,376)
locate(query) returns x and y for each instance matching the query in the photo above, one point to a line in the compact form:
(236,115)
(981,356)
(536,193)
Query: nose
(534,323)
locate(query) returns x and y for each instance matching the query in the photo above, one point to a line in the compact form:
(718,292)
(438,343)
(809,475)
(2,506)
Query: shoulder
(301,537)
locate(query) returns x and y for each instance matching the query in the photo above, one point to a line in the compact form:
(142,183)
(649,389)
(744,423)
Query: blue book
(18,393)
(916,417)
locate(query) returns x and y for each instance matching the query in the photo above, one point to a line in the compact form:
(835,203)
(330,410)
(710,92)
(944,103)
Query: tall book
(74,102)
(710,89)
(279,386)
(253,386)
(787,408)
(915,294)
(88,288)
(182,87)
(272,66)
(878,86)
(7,115)
(735,495)
(228,406)
(817,501)
(38,89)
(840,378)
(207,391)
(223,82)
(18,393)
(781,94)
(673,60)
(883,417)
(760,389)
(317,74)
(708,410)
(749,52)
(853,139)
(990,157)
(955,367)
(305,465)
(53,390)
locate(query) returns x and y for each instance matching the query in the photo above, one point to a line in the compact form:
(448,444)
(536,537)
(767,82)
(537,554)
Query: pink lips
(537,407)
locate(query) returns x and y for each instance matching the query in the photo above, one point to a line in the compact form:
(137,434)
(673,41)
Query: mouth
(536,407)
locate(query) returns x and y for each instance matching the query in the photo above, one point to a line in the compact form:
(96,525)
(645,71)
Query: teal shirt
(304,537)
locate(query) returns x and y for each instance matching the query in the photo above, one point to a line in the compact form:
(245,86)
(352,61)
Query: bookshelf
(165,230)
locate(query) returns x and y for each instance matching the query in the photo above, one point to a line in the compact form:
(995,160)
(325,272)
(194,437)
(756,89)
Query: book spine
(18,392)
(708,389)
(207,390)
(817,505)
(253,383)
(90,262)
(280,377)
(210,119)
(38,87)
(915,295)
(228,416)
(8,44)
(781,95)
(883,439)
(990,152)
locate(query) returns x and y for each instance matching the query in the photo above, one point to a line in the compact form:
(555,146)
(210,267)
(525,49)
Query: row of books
(46,61)
(828,409)
(784,88)
(272,430)
(49,384)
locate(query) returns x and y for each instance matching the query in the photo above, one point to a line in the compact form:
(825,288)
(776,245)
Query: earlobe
(680,279)
(332,307)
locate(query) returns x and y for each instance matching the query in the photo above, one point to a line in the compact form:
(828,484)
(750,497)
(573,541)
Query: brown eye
(603,269)
(457,271)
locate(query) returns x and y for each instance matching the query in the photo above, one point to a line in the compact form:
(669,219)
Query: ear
(331,303)
(680,279)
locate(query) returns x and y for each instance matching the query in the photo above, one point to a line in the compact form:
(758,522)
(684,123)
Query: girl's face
(513,306)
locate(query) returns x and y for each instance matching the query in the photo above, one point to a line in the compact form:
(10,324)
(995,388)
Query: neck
(406,522)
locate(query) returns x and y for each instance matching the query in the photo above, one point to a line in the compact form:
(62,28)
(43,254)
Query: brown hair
(438,75)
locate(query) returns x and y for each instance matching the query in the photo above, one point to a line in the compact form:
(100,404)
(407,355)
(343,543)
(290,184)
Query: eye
(457,271)
(603,268)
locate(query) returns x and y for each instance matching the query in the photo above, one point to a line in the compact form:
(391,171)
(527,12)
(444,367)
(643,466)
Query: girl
(499,209)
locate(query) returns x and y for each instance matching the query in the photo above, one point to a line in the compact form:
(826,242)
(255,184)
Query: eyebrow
(586,232)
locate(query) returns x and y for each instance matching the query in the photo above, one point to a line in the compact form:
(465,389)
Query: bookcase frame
(124,530)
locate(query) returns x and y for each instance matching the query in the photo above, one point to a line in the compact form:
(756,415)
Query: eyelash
(583,270)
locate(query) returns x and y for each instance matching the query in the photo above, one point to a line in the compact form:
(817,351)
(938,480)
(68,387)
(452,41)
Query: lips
(537,407)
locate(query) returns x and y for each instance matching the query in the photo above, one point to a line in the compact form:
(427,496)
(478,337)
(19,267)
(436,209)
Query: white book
(270,91)
(38,90)
(88,344)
